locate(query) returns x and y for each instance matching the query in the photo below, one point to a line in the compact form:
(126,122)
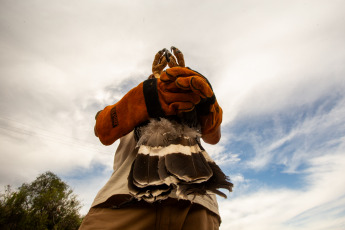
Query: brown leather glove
(209,112)
(150,99)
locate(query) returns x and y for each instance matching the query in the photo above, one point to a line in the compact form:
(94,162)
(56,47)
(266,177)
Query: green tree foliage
(46,203)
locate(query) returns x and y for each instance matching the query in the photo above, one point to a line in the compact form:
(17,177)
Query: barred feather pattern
(170,158)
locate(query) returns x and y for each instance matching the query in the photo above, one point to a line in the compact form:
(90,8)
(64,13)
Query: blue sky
(277,68)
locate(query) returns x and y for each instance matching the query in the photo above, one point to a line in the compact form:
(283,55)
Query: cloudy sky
(277,68)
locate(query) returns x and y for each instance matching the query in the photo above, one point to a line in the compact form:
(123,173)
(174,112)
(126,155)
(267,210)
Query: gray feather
(189,168)
(170,158)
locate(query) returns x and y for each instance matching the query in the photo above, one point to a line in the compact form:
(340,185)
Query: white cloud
(220,154)
(289,137)
(283,58)
(28,151)
(312,144)
(62,62)
(317,205)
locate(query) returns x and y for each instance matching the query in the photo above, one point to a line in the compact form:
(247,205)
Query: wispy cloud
(309,141)
(319,204)
(290,136)
(277,68)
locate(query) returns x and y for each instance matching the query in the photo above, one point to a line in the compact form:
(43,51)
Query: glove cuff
(153,106)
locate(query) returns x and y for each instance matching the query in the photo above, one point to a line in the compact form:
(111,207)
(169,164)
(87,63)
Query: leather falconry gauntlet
(209,112)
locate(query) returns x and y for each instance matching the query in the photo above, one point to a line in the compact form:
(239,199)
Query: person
(163,178)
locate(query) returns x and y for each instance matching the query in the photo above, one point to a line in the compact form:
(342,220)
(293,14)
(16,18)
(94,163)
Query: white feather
(162,132)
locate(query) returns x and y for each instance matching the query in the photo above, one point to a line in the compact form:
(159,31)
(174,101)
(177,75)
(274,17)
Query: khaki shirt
(117,184)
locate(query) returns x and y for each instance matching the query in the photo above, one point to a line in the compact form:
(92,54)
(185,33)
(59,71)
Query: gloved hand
(150,99)
(188,79)
(209,112)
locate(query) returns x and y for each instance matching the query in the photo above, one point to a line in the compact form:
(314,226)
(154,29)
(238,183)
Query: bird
(170,157)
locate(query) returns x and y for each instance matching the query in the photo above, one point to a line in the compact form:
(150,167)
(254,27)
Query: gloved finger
(179,56)
(199,84)
(171,87)
(195,83)
(166,77)
(180,72)
(170,97)
(173,73)
(181,107)
(178,108)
